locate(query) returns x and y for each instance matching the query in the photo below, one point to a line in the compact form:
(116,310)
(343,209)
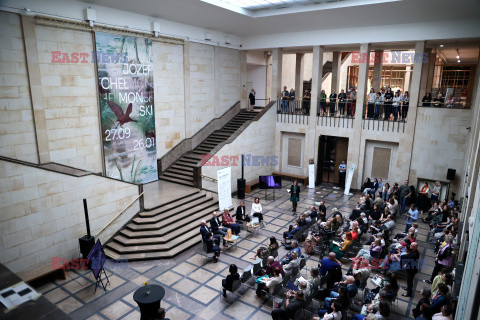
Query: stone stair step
(181,167)
(188,173)
(167,225)
(181,235)
(174,175)
(164,208)
(162,214)
(179,181)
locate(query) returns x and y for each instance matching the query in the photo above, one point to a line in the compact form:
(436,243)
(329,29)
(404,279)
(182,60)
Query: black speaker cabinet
(451,174)
(241,188)
(86,244)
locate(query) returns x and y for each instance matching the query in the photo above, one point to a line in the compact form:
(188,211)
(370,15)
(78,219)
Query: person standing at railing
(378,105)
(342,97)
(306,102)
(427,99)
(387,102)
(382,106)
(406,102)
(449,101)
(352,96)
(285,99)
(332,103)
(397,101)
(251,98)
(323,102)
(438,101)
(292,106)
(371,103)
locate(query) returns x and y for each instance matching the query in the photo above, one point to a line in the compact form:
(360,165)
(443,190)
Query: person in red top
(354,233)
(228,222)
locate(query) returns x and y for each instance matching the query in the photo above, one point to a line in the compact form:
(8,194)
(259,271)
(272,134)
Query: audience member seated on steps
(425,299)
(292,230)
(228,282)
(444,314)
(293,264)
(241,213)
(228,222)
(440,299)
(271,265)
(264,252)
(257,210)
(286,310)
(340,251)
(161,315)
(382,313)
(269,282)
(336,313)
(217,228)
(295,249)
(212,241)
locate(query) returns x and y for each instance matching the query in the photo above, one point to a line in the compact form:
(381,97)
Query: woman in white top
(397,101)
(269,283)
(257,210)
(371,103)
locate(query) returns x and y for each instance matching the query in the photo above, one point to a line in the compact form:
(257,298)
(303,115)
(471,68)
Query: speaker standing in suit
(212,241)
(217,228)
(295,195)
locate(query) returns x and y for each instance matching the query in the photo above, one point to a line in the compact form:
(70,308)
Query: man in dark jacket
(217,227)
(241,213)
(409,263)
(292,305)
(212,241)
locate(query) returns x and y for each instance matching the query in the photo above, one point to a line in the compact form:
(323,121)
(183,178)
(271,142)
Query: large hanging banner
(125,82)
(348,183)
(224,185)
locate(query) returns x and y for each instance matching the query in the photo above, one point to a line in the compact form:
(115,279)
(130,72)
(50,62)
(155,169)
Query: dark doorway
(331,151)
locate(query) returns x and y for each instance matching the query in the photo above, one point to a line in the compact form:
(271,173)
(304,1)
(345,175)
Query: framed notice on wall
(125,83)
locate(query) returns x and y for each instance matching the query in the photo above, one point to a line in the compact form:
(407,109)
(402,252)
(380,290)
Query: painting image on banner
(125,82)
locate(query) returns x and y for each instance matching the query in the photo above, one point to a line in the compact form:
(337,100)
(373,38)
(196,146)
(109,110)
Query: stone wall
(258,139)
(227,79)
(17,132)
(169,95)
(42,213)
(440,143)
(70,99)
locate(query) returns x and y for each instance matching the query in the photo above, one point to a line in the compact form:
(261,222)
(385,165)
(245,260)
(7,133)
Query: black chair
(235,286)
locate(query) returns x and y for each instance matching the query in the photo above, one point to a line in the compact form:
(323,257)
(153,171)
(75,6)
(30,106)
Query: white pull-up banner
(224,185)
(348,183)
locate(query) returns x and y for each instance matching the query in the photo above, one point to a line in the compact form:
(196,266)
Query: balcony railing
(446,104)
(336,112)
(293,111)
(384,116)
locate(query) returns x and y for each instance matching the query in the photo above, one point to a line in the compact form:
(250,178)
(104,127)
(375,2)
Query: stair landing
(160,191)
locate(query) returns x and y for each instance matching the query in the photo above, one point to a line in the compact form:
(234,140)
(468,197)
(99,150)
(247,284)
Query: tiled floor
(192,282)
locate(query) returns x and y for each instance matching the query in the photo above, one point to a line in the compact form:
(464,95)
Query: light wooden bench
(250,185)
(42,271)
(300,178)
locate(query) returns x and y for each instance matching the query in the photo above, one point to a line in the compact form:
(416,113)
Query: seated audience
(440,299)
(425,299)
(264,252)
(382,313)
(340,250)
(267,283)
(228,282)
(293,264)
(335,314)
(296,249)
(329,263)
(271,265)
(287,309)
(444,314)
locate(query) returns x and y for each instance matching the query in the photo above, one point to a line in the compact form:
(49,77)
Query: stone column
(186,89)
(36,90)
(299,75)
(243,79)
(276,74)
(431,68)
(311,137)
(406,84)
(377,70)
(355,144)
(336,63)
(424,75)
(405,146)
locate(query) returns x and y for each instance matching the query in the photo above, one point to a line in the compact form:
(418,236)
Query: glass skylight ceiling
(256,5)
